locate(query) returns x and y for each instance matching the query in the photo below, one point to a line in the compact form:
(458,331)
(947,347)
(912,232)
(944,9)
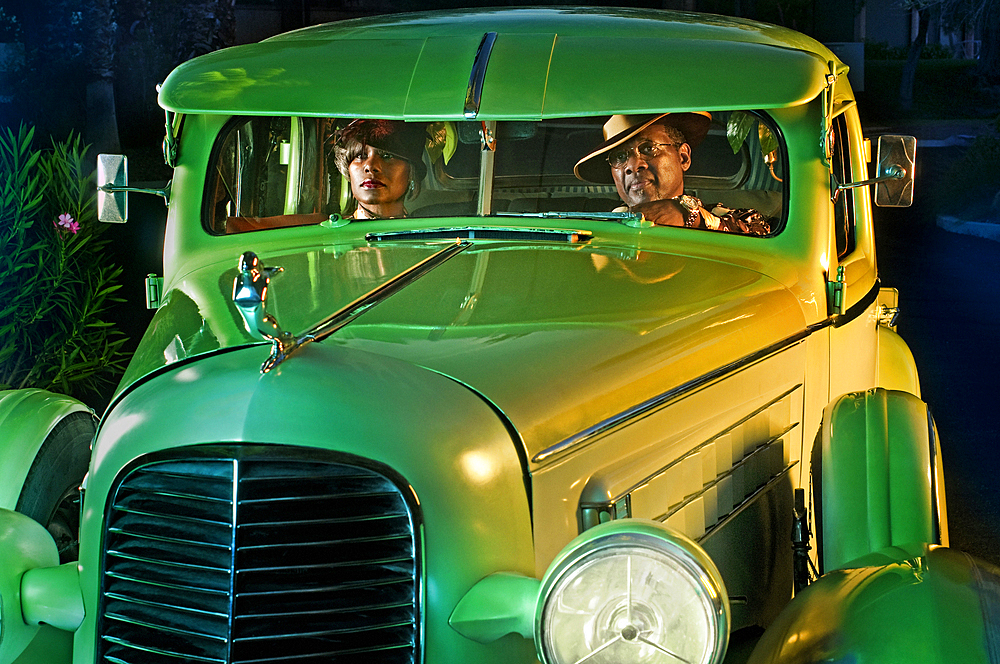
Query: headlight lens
(635,592)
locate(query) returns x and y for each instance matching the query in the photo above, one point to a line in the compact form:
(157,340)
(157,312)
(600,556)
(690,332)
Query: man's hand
(666,212)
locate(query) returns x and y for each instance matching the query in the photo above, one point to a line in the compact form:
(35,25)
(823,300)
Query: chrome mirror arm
(893,172)
(112,189)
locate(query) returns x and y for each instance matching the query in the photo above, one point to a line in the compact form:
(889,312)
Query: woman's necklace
(373,216)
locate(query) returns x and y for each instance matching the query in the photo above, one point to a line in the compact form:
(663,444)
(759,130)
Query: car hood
(558,338)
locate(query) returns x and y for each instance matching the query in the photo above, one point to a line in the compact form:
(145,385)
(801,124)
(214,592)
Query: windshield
(710,171)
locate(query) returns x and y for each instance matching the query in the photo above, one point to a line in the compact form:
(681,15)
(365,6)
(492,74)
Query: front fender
(24,545)
(897,369)
(880,476)
(936,607)
(27,417)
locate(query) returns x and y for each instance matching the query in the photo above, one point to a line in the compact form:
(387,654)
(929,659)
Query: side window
(843,204)
(271,172)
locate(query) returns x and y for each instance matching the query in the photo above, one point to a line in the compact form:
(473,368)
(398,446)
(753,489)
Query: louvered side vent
(242,557)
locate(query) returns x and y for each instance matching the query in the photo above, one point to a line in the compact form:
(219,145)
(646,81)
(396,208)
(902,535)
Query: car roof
(544,63)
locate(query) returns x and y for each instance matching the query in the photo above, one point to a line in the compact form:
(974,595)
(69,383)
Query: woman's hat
(403,139)
(620,128)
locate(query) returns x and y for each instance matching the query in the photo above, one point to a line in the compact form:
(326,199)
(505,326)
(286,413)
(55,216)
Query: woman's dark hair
(402,139)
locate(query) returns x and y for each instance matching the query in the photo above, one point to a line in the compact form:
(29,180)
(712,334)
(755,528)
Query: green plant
(880,50)
(56,281)
(10,29)
(973,181)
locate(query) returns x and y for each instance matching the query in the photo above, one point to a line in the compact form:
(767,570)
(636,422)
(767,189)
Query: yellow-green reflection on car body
(576,436)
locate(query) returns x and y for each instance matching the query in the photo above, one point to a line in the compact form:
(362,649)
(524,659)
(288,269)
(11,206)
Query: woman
(383,161)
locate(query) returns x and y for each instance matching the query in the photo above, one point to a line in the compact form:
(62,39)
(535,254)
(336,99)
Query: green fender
(24,545)
(881,483)
(926,607)
(26,418)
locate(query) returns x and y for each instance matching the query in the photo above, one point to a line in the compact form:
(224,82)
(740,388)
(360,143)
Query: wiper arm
(334,322)
(250,295)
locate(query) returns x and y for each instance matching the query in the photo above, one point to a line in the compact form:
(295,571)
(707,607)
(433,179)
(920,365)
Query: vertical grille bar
(242,555)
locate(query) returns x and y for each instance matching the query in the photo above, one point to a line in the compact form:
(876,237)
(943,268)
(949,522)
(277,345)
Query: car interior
(277,172)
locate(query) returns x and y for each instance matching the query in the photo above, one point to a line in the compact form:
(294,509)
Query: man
(646,157)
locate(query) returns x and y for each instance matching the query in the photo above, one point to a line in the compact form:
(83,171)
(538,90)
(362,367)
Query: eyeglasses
(647,149)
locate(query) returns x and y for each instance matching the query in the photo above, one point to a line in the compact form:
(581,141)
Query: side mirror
(112,188)
(897,157)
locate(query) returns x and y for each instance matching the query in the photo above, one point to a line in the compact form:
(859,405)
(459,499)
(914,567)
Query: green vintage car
(480,403)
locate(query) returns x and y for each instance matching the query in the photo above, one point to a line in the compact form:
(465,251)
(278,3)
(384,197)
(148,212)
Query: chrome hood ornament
(250,296)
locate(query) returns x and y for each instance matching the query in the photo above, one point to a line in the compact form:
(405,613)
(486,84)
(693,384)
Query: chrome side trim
(697,449)
(474,93)
(747,502)
(592,433)
(739,508)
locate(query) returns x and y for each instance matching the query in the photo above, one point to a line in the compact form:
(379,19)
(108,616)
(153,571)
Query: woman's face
(379,180)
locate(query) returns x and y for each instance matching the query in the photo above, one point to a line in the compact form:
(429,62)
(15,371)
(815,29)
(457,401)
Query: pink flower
(67,223)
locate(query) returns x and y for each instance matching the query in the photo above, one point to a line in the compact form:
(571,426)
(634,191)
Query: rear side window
(843,202)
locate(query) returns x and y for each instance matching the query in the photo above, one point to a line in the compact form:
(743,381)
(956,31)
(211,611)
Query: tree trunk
(910,67)
(226,35)
(102,120)
(207,25)
(989,54)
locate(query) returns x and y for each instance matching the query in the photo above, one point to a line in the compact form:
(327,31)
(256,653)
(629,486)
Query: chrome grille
(238,556)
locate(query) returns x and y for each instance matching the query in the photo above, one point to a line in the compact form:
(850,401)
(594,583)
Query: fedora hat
(620,128)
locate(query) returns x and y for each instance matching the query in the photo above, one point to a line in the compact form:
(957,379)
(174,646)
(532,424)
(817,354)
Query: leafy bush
(943,89)
(880,50)
(973,181)
(936,52)
(56,282)
(10,29)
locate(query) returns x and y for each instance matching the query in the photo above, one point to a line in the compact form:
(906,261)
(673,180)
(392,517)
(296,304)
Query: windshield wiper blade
(482,233)
(627,218)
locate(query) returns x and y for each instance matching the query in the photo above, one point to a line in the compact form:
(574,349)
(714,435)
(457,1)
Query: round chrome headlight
(632,591)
